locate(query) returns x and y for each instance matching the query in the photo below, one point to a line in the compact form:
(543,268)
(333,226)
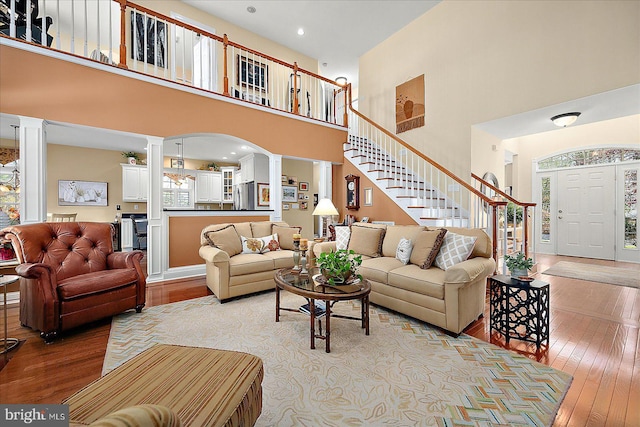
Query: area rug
(595,273)
(404,373)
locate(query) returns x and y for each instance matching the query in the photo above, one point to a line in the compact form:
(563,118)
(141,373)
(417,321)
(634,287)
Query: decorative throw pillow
(456,248)
(259,245)
(285,235)
(403,253)
(225,239)
(342,237)
(366,240)
(261,228)
(426,247)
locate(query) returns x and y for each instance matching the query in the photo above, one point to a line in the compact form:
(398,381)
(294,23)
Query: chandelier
(13,182)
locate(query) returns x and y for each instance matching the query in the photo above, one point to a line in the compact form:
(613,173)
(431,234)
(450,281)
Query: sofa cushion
(426,247)
(259,245)
(396,232)
(455,249)
(366,240)
(482,248)
(96,282)
(343,233)
(249,263)
(377,269)
(285,235)
(415,279)
(261,228)
(403,252)
(225,239)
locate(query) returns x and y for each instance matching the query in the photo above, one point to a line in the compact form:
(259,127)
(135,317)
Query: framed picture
(304,206)
(252,74)
(289,193)
(177,163)
(285,179)
(300,196)
(292,180)
(368,196)
(82,193)
(294,206)
(156,37)
(315,199)
(303,186)
(263,194)
(365,219)
(285,207)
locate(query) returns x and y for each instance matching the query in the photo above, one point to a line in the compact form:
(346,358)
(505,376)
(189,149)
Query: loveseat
(241,258)
(436,275)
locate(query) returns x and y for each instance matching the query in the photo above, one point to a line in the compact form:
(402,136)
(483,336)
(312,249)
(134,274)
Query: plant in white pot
(518,264)
(338,267)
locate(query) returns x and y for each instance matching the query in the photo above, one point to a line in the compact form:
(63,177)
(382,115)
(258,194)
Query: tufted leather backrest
(70,248)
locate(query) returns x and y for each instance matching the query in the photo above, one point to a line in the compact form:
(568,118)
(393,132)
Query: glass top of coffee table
(311,283)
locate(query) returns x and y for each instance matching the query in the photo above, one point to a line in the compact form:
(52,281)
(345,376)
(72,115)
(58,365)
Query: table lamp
(324,209)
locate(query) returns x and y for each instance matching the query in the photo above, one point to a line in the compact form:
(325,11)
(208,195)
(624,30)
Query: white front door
(586,212)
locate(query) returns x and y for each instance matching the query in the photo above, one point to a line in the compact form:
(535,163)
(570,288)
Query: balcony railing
(126,35)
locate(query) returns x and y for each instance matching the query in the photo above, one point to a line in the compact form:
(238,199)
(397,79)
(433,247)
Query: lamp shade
(325,207)
(564,120)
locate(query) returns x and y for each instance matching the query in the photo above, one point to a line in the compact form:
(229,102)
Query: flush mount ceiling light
(564,120)
(341,81)
(251,9)
(301,31)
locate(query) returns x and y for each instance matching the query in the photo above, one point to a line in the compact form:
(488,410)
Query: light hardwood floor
(594,336)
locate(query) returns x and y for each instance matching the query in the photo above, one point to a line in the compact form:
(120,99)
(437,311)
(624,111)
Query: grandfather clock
(353,192)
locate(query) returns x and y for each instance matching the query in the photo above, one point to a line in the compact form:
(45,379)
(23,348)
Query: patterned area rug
(595,273)
(404,374)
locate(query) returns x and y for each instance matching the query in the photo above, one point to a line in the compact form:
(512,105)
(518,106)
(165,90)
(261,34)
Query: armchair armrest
(469,270)
(118,260)
(33,270)
(213,255)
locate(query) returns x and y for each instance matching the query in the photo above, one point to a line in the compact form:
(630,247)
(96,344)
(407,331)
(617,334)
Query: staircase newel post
(347,104)
(225,43)
(525,231)
(123,34)
(295,88)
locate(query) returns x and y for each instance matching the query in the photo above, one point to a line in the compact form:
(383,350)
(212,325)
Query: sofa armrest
(317,248)
(213,255)
(140,415)
(469,270)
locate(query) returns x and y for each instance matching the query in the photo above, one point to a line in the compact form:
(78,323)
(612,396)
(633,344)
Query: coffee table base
(8,344)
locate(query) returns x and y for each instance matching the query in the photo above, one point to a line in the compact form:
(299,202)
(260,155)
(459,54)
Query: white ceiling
(337,33)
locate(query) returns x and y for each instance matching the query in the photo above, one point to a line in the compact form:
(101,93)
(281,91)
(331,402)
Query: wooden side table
(519,309)
(8,343)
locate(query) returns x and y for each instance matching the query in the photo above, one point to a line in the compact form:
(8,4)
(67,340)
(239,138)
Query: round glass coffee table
(305,286)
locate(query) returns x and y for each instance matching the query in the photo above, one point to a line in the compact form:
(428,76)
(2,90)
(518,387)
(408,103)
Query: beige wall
(485,60)
(303,170)
(622,131)
(87,164)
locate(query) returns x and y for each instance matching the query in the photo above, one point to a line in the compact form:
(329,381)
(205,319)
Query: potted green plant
(338,267)
(132,157)
(518,264)
(212,166)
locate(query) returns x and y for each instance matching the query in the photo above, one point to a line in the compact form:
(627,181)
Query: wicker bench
(204,387)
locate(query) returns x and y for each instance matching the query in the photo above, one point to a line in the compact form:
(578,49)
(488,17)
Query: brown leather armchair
(71,276)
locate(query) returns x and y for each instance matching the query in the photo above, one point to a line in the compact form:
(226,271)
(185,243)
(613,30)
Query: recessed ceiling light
(301,31)
(224,158)
(251,9)
(233,152)
(244,147)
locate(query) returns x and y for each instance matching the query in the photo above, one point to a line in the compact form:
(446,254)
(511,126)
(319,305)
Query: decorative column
(157,233)
(275,186)
(33,170)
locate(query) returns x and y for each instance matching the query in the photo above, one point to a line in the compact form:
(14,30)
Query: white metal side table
(9,343)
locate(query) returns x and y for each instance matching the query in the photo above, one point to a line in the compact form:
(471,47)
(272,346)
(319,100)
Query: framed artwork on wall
(177,163)
(82,193)
(368,196)
(155,34)
(252,74)
(289,193)
(303,186)
(263,194)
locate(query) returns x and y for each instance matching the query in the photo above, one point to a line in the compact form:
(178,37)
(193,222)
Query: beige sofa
(231,273)
(450,299)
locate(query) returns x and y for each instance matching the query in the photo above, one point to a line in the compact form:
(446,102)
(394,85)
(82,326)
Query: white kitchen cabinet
(228,180)
(135,183)
(208,187)
(255,167)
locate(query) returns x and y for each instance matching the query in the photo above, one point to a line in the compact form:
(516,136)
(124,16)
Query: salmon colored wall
(77,94)
(383,208)
(184,236)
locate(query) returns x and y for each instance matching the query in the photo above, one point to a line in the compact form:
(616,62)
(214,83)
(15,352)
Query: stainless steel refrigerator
(244,196)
